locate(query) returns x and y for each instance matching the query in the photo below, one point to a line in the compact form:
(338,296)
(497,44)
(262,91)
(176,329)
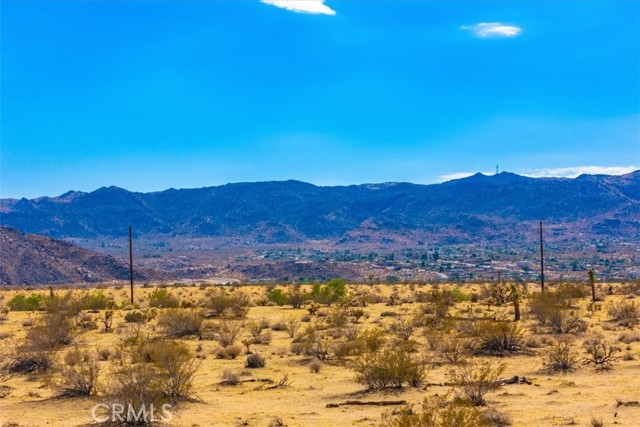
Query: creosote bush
(498,337)
(78,378)
(228,304)
(560,357)
(436,411)
(255,361)
(161,298)
(180,322)
(624,313)
(475,380)
(389,368)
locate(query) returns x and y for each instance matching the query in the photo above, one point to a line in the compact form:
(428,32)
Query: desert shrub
(292,326)
(264,338)
(474,381)
(96,301)
(177,365)
(228,332)
(625,313)
(357,314)
(180,322)
(389,368)
(496,294)
(374,339)
(77,379)
(315,366)
(229,352)
(104,353)
(495,418)
(234,304)
(403,327)
(135,317)
(161,298)
(137,386)
(600,353)
(560,357)
(337,318)
(453,350)
(543,306)
(498,337)
(629,337)
(255,361)
(255,327)
(26,361)
(296,297)
(440,301)
(230,378)
(570,291)
(331,292)
(436,411)
(21,302)
(313,344)
(107,320)
(566,321)
(55,326)
(277,296)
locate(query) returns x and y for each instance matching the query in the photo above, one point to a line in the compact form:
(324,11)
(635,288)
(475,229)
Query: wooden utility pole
(541,261)
(131,263)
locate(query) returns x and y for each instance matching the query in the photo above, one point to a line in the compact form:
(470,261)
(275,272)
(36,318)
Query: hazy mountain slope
(29,259)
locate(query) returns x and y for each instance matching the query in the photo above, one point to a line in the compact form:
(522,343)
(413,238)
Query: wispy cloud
(574,171)
(568,172)
(314,7)
(488,30)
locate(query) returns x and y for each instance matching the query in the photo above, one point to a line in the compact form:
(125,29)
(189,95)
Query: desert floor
(552,399)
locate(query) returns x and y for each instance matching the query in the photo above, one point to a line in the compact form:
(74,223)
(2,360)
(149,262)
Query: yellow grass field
(553,399)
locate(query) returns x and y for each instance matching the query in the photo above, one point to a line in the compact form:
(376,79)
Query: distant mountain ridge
(467,209)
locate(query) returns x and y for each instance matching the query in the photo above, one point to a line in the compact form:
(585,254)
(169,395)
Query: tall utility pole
(131,263)
(541,261)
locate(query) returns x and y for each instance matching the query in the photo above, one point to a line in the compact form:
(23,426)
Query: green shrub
(389,368)
(20,302)
(97,301)
(161,298)
(277,296)
(135,317)
(333,291)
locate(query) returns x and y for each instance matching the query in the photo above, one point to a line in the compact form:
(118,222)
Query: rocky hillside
(29,260)
(470,209)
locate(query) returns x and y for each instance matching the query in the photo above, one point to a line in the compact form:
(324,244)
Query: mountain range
(480,207)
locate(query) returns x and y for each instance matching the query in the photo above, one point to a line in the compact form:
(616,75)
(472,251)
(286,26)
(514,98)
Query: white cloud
(574,171)
(568,172)
(487,30)
(314,7)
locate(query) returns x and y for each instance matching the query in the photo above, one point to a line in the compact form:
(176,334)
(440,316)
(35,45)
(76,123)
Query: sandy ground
(552,399)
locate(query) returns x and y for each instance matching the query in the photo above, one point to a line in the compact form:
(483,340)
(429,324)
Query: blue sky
(149,95)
